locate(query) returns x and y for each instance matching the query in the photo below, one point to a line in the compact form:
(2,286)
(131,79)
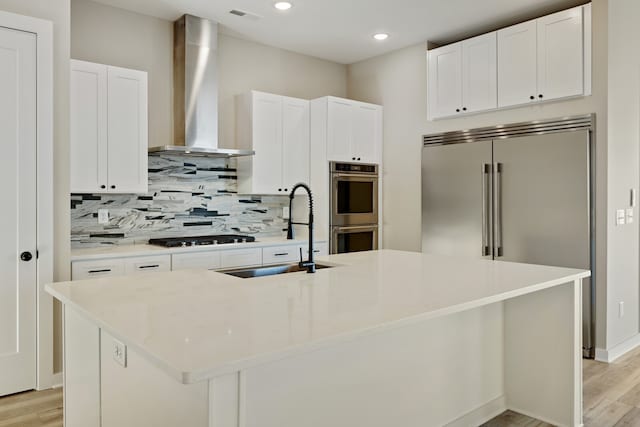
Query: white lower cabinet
(147,264)
(81,270)
(319,249)
(196,261)
(240,258)
(280,254)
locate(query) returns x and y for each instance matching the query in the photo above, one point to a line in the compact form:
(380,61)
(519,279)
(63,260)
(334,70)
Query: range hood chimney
(195,91)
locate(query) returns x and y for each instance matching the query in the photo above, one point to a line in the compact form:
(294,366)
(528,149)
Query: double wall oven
(354,207)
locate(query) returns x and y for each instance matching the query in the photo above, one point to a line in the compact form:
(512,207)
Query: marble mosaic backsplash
(188,196)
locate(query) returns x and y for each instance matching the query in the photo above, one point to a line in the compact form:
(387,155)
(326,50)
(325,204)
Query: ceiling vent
(244,14)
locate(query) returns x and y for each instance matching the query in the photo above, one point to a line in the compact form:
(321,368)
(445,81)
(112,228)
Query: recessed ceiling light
(283,5)
(381,36)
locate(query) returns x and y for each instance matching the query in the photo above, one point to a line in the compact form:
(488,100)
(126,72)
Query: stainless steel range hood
(195,90)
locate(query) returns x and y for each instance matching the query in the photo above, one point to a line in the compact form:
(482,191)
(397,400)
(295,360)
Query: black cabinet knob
(457,110)
(103,186)
(541,96)
(532,97)
(26,256)
(286,190)
(464,109)
(113,187)
(279,189)
(358,158)
(353,158)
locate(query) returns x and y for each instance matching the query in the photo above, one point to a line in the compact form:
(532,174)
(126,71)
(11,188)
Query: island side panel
(141,394)
(543,354)
(442,371)
(81,371)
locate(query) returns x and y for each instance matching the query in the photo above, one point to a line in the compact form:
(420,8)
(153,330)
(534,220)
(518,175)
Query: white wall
(398,81)
(119,37)
(624,155)
(56,11)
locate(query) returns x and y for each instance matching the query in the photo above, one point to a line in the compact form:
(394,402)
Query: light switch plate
(103,216)
(630,216)
(120,353)
(620,217)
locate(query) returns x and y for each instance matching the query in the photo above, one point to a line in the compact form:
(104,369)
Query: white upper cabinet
(479,74)
(109,129)
(560,54)
(277,129)
(462,77)
(540,60)
(445,80)
(295,141)
(353,130)
(517,58)
(88,127)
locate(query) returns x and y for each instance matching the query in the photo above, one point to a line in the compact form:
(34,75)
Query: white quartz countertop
(197,325)
(119,251)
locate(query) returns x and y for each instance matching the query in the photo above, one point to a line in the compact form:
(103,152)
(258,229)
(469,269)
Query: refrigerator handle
(497,208)
(486,174)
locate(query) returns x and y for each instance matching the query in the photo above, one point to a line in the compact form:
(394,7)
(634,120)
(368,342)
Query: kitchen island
(382,338)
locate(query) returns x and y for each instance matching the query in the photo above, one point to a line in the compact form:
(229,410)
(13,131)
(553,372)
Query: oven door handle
(355,228)
(355,175)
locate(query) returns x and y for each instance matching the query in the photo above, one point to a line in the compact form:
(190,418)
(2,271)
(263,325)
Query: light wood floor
(32,409)
(611,396)
(611,399)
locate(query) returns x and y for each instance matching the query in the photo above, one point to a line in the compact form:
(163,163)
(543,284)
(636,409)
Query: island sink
(272,270)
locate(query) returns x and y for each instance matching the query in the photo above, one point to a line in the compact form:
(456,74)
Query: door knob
(26,256)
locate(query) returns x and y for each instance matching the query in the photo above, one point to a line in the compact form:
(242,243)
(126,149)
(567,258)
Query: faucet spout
(309,264)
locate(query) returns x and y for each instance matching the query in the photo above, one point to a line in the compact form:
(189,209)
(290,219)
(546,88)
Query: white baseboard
(56,380)
(609,355)
(481,414)
(539,418)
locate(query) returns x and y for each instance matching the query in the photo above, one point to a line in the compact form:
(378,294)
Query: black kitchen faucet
(308,264)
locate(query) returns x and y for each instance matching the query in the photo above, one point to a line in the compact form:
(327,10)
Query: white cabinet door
(445,81)
(196,261)
(479,73)
(295,142)
(560,55)
(147,264)
(88,127)
(366,133)
(267,143)
(339,130)
(18,176)
(280,254)
(517,64)
(81,270)
(127,130)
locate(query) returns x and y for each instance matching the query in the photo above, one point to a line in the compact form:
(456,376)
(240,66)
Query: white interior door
(18,280)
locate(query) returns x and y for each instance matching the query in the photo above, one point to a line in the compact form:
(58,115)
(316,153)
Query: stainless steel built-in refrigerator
(517,193)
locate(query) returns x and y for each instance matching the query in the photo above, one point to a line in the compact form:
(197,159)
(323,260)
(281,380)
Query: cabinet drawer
(319,249)
(147,264)
(240,258)
(280,254)
(196,261)
(81,270)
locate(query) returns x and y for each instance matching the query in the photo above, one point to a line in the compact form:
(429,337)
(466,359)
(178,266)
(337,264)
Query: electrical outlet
(103,216)
(621,309)
(120,353)
(630,216)
(285,212)
(620,217)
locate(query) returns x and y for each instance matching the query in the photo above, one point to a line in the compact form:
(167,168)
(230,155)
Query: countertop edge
(191,377)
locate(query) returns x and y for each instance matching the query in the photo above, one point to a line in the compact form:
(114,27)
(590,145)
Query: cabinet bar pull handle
(106,270)
(281,254)
(149,266)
